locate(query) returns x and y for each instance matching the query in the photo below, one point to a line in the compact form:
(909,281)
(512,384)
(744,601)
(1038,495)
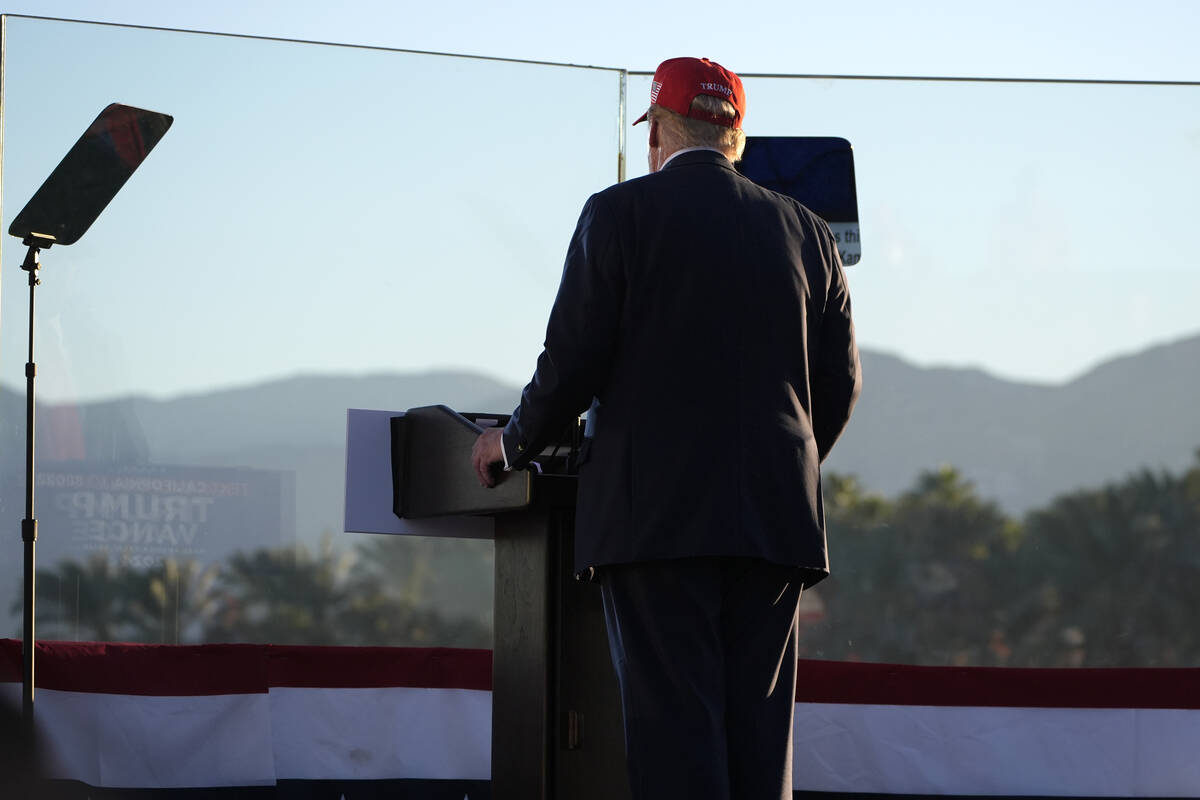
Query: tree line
(937,575)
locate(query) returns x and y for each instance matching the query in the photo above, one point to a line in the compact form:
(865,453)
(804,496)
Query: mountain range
(1021,444)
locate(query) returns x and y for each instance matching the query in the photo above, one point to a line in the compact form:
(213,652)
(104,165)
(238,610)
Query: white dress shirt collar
(687,150)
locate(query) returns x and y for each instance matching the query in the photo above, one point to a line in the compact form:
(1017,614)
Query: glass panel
(322,228)
(1020,483)
(326,228)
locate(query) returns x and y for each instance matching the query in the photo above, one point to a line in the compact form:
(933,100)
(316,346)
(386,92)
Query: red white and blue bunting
(173,717)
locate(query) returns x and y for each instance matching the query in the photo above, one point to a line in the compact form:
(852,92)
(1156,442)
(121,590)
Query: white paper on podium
(369,485)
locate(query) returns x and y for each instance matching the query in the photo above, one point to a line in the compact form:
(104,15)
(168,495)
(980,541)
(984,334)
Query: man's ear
(653,132)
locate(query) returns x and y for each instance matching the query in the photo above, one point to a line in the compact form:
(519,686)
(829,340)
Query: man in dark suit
(706,322)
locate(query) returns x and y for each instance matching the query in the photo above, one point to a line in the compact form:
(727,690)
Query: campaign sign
(142,515)
(816,170)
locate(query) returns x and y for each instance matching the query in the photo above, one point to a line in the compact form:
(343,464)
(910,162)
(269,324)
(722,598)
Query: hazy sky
(1154,39)
(1031,231)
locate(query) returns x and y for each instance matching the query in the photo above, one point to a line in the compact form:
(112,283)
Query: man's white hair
(687,132)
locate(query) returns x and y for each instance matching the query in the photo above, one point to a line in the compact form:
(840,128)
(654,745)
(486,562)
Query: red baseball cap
(677,81)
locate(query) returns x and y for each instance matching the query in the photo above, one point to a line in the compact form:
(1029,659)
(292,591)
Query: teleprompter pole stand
(36,242)
(68,202)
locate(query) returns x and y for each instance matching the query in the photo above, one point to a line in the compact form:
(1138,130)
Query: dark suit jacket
(710,319)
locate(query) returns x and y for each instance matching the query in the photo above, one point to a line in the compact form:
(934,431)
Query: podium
(556,714)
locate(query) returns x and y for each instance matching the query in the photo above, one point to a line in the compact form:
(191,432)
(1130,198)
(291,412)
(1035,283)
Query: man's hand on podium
(486,454)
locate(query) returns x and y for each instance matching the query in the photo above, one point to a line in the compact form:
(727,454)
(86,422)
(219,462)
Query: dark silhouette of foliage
(915,580)
(455,576)
(1114,574)
(101,599)
(332,598)
(1099,577)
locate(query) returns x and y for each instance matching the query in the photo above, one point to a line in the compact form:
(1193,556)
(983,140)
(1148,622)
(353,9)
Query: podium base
(556,712)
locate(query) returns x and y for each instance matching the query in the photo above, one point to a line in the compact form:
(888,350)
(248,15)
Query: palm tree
(291,596)
(100,599)
(1116,573)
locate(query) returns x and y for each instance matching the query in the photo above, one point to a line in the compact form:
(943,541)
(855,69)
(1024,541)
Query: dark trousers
(705,654)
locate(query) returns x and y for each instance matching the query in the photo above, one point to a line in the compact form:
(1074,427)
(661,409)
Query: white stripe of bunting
(109,740)
(372,734)
(146,741)
(996,750)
